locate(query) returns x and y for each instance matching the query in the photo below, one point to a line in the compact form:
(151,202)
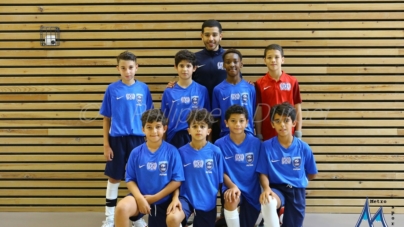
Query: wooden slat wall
(348,56)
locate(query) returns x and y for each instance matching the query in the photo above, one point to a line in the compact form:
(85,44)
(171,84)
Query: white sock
(232,218)
(112,194)
(269,214)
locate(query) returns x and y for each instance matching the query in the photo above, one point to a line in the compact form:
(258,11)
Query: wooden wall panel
(347,55)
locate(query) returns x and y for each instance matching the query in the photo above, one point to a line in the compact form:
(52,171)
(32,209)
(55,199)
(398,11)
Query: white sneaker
(108,223)
(139,223)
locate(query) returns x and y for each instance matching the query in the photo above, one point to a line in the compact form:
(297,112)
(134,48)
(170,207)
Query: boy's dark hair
(273,47)
(153,115)
(284,109)
(235,109)
(210,24)
(185,55)
(127,56)
(232,51)
(201,115)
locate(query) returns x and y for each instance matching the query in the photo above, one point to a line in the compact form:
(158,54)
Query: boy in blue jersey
(123,104)
(233,90)
(186,95)
(241,181)
(153,172)
(286,164)
(203,170)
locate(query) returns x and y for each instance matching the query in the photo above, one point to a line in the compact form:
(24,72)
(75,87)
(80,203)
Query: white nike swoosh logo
(175,100)
(187,164)
(119,97)
(141,166)
(226,98)
(228,157)
(274,160)
(198,66)
(266,87)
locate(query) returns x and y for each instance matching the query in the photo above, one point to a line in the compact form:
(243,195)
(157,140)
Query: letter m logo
(366,216)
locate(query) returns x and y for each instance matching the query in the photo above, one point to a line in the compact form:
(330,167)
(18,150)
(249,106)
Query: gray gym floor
(21,219)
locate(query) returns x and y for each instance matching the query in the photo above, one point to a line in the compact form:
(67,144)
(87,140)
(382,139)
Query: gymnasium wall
(348,56)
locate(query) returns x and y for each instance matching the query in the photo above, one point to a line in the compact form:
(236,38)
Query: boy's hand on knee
(232,194)
(144,206)
(266,196)
(108,153)
(174,206)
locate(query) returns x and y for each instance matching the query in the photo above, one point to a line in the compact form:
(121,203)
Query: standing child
(286,164)
(123,104)
(203,169)
(186,95)
(275,88)
(153,172)
(233,90)
(241,186)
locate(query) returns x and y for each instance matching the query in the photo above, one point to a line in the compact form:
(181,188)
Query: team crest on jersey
(239,157)
(297,161)
(198,163)
(220,65)
(195,100)
(185,100)
(285,86)
(163,166)
(244,98)
(286,160)
(139,99)
(151,166)
(209,165)
(249,158)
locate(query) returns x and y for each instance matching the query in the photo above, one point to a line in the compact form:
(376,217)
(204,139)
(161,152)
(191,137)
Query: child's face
(232,64)
(154,131)
(127,69)
(274,60)
(283,125)
(185,69)
(211,38)
(236,123)
(198,131)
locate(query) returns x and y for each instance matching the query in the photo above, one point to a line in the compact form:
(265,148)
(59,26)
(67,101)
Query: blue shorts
(180,139)
(121,146)
(158,214)
(294,200)
(201,218)
(248,214)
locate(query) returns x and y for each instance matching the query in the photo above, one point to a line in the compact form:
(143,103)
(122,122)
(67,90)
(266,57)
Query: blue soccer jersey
(152,171)
(226,95)
(240,163)
(287,166)
(177,103)
(125,105)
(203,171)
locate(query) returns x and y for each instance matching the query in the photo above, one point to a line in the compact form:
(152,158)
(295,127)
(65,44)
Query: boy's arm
(311,176)
(106,126)
(175,202)
(258,122)
(233,192)
(299,120)
(267,192)
(142,203)
(168,189)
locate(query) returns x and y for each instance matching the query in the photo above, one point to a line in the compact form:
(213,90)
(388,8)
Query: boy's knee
(123,208)
(173,220)
(231,205)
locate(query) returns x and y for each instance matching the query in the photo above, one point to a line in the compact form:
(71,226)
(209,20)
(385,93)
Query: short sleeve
(220,166)
(177,168)
(216,112)
(149,102)
(296,93)
(165,108)
(130,166)
(310,162)
(263,161)
(105,109)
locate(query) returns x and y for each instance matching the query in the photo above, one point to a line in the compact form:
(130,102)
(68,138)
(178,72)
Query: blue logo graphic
(367,216)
